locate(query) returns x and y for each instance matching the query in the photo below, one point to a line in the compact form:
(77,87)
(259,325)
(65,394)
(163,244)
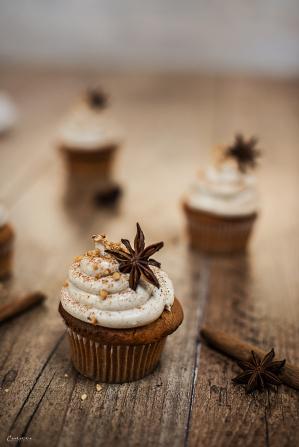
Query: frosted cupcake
(119,307)
(88,141)
(222,205)
(6,244)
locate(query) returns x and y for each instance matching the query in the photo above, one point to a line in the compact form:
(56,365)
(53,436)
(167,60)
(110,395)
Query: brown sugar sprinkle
(103,294)
(116,275)
(66,284)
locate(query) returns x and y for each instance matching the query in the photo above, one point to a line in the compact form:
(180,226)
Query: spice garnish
(97,98)
(136,261)
(244,152)
(258,373)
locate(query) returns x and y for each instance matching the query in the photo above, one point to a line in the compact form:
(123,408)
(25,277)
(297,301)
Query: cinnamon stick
(240,350)
(17,306)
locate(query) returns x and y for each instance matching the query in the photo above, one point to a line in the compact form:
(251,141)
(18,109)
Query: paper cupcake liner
(216,235)
(113,363)
(87,162)
(6,252)
(6,261)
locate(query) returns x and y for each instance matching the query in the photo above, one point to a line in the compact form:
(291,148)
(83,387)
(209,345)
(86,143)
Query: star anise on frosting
(244,152)
(96,98)
(137,261)
(258,373)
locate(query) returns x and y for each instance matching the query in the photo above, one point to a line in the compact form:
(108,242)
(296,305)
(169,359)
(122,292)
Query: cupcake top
(87,126)
(226,187)
(116,286)
(3,216)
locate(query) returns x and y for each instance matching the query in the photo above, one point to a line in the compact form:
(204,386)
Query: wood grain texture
(169,124)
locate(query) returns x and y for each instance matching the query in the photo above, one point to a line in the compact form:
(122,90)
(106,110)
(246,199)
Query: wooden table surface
(169,124)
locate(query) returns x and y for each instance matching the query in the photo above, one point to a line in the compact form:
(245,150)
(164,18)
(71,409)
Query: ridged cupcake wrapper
(6,261)
(113,363)
(219,237)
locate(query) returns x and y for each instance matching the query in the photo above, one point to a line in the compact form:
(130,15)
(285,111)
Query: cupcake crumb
(84,396)
(98,387)
(103,294)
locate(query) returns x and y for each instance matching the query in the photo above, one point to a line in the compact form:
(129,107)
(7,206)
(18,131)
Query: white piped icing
(3,216)
(96,292)
(223,190)
(87,129)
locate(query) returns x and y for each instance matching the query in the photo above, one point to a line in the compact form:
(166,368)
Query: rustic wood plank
(254,297)
(168,121)
(35,356)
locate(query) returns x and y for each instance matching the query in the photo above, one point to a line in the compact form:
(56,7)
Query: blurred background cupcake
(6,244)
(222,205)
(89,140)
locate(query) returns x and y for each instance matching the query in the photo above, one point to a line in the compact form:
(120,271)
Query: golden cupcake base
(119,355)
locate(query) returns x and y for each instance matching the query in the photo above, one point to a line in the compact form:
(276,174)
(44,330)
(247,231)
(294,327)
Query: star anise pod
(136,261)
(258,373)
(244,152)
(96,98)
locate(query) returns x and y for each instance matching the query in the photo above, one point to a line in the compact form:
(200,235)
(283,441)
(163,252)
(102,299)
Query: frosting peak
(97,292)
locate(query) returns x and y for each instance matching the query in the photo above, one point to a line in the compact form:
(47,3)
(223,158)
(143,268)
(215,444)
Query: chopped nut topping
(84,396)
(97,276)
(66,284)
(95,266)
(93,320)
(98,387)
(107,272)
(116,275)
(78,258)
(90,253)
(103,294)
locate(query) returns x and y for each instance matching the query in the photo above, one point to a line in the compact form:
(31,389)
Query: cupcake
(6,245)
(119,307)
(222,205)
(88,142)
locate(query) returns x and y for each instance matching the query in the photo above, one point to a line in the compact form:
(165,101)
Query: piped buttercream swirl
(97,292)
(222,189)
(87,129)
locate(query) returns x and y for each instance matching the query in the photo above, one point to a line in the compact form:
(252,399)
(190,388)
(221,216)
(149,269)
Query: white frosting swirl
(225,191)
(3,216)
(87,129)
(96,292)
